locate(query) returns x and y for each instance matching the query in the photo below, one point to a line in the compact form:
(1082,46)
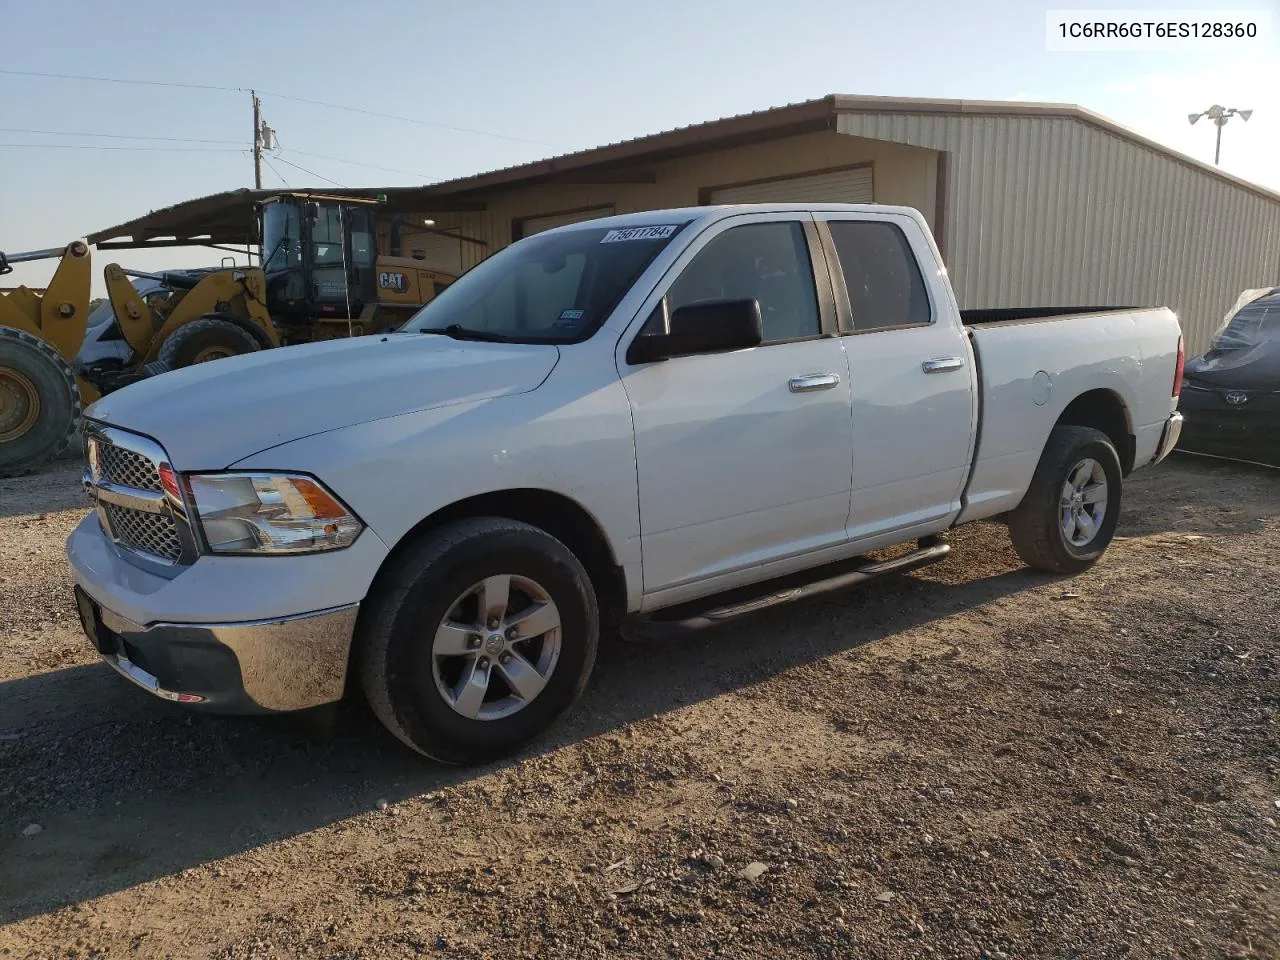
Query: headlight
(270,513)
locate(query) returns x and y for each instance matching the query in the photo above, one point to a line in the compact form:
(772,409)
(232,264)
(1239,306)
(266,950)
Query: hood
(210,415)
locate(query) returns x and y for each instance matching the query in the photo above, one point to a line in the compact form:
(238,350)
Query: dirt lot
(973,761)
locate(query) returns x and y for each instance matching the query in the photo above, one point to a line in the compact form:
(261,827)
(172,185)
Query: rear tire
(1062,525)
(209,338)
(435,654)
(39,403)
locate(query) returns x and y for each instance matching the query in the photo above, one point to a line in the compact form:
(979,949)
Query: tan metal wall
(903,175)
(1057,211)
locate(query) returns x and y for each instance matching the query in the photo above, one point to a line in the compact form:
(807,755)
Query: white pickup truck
(651,422)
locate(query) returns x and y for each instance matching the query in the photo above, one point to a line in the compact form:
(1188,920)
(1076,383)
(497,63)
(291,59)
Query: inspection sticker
(640,233)
(571,314)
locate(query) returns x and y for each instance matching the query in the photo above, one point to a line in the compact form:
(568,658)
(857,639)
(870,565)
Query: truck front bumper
(263,666)
(227,634)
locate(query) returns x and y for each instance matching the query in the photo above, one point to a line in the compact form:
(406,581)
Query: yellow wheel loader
(322,277)
(190,317)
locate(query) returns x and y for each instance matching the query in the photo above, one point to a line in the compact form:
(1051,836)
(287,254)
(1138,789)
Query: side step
(683,618)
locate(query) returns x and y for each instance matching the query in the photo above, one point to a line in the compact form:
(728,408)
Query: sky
(493,84)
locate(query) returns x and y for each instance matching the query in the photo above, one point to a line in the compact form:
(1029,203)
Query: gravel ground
(971,761)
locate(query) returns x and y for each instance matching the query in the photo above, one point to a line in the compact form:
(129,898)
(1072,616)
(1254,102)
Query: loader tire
(209,338)
(39,403)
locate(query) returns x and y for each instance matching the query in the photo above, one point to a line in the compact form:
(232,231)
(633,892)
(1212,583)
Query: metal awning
(228,219)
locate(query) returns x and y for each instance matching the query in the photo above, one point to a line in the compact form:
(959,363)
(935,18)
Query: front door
(743,457)
(912,380)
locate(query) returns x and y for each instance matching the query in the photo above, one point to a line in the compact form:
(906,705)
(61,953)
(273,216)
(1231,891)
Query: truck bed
(988,315)
(1033,361)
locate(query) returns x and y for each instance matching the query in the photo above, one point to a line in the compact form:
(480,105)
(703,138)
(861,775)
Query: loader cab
(319,257)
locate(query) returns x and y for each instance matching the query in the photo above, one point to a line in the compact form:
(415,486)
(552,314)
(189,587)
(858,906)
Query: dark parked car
(1231,393)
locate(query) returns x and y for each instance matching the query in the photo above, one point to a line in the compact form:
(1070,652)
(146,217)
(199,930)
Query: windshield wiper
(459,332)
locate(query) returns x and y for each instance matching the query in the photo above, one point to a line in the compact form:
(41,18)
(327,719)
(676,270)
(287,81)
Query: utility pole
(257,141)
(1219,115)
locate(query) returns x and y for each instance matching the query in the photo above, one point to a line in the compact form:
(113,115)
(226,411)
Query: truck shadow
(128,789)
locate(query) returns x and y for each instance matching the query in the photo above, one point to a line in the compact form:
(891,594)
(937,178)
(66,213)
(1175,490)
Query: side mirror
(712,326)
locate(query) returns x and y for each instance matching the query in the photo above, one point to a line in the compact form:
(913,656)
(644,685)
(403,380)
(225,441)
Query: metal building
(1032,204)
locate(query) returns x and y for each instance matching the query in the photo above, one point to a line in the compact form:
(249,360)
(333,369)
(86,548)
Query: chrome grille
(153,533)
(127,468)
(135,511)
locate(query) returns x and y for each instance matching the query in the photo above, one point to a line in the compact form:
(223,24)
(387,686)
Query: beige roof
(793,118)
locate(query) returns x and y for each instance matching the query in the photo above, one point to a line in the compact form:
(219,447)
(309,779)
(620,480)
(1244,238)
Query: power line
(112,136)
(311,173)
(394,116)
(97,146)
(277,172)
(144,83)
(279,96)
(358,163)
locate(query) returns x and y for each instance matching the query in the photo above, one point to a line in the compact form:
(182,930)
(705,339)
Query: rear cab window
(881,275)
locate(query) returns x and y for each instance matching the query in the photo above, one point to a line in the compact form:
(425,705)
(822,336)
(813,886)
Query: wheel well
(1104,410)
(563,518)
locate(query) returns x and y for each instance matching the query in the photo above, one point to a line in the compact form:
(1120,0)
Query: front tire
(478,639)
(203,340)
(1068,516)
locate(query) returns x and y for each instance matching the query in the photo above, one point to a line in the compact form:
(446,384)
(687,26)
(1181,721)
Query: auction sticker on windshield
(640,233)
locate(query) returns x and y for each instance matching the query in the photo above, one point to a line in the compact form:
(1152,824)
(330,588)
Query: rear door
(743,457)
(912,381)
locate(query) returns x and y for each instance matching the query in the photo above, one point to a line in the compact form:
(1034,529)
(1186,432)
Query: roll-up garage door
(853,185)
(531,225)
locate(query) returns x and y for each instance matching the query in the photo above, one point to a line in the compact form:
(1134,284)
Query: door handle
(942,364)
(813,381)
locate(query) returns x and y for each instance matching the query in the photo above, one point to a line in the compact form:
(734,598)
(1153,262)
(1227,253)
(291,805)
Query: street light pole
(1219,115)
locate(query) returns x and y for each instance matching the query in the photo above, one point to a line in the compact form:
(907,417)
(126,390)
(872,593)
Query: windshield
(280,233)
(326,234)
(1250,326)
(549,288)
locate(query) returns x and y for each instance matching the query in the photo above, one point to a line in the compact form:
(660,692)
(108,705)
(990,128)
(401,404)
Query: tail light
(1177,370)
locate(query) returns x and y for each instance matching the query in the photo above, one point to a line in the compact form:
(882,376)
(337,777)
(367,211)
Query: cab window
(765,261)
(881,275)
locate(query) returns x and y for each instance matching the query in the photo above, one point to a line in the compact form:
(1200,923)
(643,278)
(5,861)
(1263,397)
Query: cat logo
(398,282)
